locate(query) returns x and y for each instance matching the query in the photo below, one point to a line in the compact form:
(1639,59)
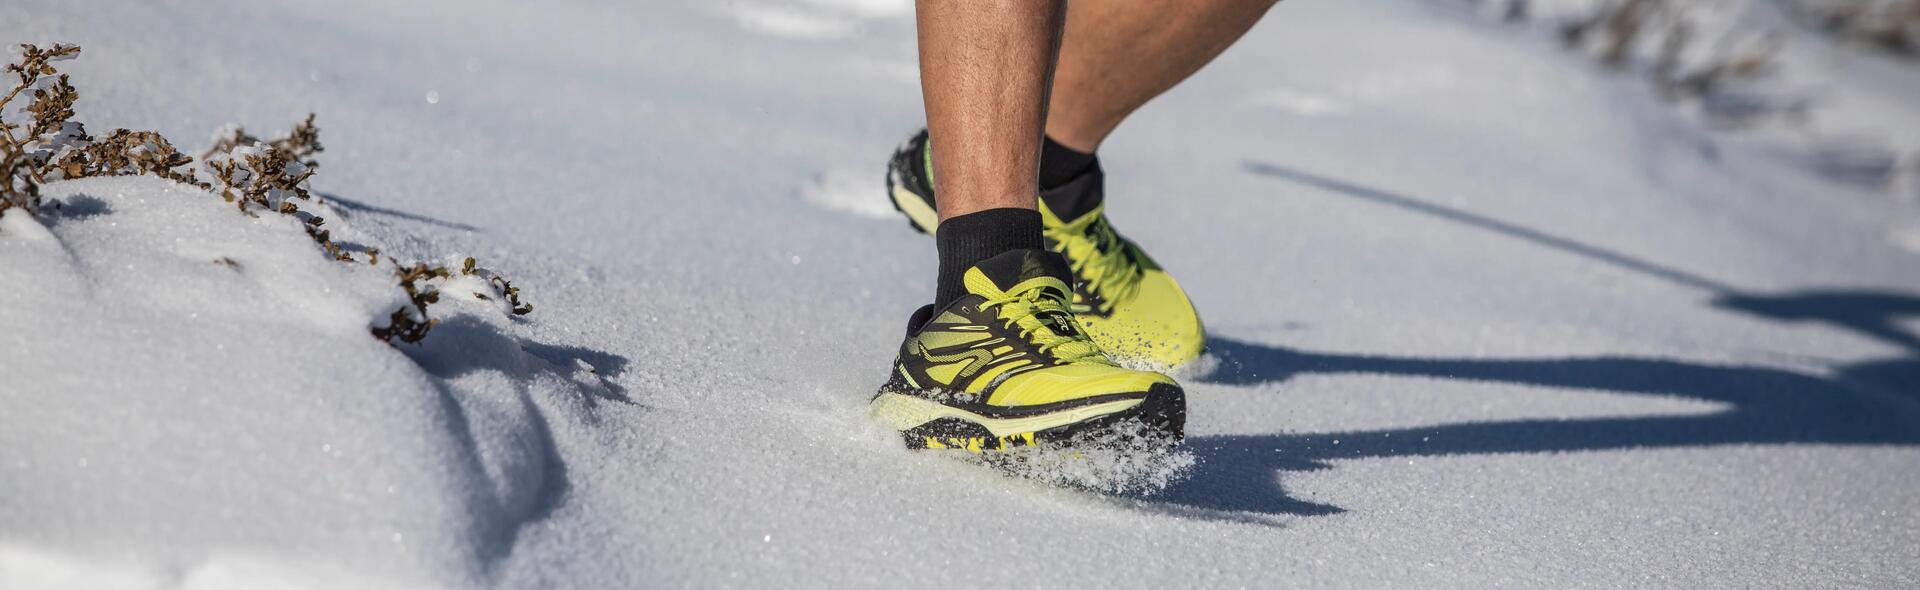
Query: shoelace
(1031,310)
(1111,270)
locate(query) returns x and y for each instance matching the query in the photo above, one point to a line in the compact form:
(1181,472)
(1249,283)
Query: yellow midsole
(902,412)
(916,209)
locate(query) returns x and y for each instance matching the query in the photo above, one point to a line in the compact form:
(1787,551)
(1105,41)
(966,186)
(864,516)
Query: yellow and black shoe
(1007,365)
(1129,305)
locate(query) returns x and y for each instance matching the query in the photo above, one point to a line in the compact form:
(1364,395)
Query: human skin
(1119,54)
(985,66)
(988,77)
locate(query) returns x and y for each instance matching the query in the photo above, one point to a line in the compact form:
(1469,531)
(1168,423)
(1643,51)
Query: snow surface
(1483,314)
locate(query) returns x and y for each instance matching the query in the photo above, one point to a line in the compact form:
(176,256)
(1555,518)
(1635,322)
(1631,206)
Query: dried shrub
(52,106)
(1745,59)
(501,287)
(35,63)
(272,175)
(252,173)
(20,190)
(1623,26)
(411,323)
(1890,25)
(300,144)
(123,153)
(52,146)
(17,160)
(1617,32)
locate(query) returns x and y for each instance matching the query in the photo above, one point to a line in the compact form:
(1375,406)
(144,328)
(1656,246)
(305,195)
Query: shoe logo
(946,368)
(1064,325)
(950,357)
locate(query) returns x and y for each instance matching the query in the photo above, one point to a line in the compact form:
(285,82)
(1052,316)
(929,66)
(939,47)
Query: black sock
(968,239)
(1060,164)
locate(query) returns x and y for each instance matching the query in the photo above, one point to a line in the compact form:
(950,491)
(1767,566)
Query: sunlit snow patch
(194,371)
(792,22)
(814,20)
(862,194)
(1299,102)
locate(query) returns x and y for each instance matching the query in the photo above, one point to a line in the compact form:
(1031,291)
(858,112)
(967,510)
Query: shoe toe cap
(1158,325)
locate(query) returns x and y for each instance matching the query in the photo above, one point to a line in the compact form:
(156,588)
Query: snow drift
(1483,314)
(213,397)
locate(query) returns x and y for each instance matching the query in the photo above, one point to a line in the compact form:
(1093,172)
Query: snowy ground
(1483,314)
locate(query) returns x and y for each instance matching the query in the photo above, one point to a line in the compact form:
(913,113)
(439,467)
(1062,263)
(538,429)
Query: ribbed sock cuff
(968,239)
(1060,164)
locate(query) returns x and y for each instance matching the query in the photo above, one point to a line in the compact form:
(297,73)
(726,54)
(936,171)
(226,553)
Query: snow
(205,381)
(1483,314)
(1828,105)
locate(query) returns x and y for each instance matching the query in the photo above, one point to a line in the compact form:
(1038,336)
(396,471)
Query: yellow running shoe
(1007,365)
(1131,307)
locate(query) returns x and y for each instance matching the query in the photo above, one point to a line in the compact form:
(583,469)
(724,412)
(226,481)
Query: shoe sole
(925,424)
(920,215)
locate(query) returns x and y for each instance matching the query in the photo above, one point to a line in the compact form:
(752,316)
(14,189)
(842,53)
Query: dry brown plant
(251,173)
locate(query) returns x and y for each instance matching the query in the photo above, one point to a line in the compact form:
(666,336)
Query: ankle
(965,240)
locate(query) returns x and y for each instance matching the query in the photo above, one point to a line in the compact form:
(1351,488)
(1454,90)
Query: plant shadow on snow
(533,480)
(352,206)
(1868,403)
(464,344)
(80,207)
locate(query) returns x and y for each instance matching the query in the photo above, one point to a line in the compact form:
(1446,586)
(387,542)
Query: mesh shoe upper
(1126,301)
(1012,342)
(1131,307)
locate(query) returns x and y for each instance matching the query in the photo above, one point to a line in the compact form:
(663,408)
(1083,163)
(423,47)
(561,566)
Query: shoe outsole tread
(1163,412)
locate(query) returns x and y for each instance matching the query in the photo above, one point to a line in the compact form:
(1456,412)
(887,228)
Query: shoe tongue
(1003,272)
(1077,197)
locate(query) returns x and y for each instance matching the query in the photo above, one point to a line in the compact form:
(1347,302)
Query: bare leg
(985,66)
(1119,54)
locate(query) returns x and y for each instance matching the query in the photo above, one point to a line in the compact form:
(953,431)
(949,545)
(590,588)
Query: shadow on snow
(533,479)
(1870,402)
